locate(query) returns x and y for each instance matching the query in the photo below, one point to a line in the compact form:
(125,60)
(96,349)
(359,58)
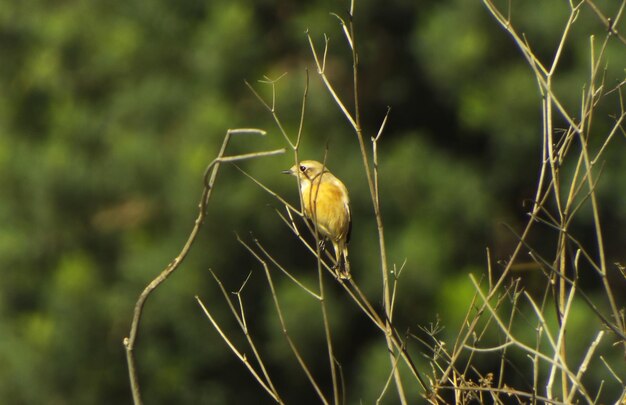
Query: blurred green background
(111,110)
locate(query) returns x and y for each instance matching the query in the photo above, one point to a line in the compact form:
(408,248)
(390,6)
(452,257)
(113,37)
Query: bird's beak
(287,172)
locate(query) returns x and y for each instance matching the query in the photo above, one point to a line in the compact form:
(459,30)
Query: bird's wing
(349,222)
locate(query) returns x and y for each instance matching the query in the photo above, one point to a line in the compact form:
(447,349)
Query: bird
(327,206)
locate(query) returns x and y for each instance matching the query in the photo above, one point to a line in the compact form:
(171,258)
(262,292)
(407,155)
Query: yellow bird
(326,204)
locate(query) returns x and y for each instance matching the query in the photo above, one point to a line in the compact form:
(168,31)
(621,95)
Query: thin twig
(242,357)
(210,175)
(283,324)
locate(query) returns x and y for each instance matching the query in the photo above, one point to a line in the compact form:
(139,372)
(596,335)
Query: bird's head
(307,170)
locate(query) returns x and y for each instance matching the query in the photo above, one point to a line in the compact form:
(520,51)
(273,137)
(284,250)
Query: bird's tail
(345,271)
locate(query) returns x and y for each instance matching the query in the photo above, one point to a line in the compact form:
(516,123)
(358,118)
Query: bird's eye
(303,168)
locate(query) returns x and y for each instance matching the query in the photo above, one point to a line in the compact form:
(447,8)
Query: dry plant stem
(508,333)
(388,382)
(329,344)
(561,311)
(285,272)
(354,121)
(535,359)
(268,190)
(439,350)
(461,343)
(480,335)
(320,273)
(555,183)
(538,69)
(583,366)
(242,357)
(559,358)
(385,326)
(283,325)
(241,320)
(555,159)
(554,155)
(396,276)
(609,23)
(352,289)
(599,237)
(548,131)
(523,346)
(272,107)
(615,329)
(321,298)
(540,260)
(588,167)
(616,127)
(343,383)
(540,73)
(294,146)
(504,391)
(209,180)
(613,373)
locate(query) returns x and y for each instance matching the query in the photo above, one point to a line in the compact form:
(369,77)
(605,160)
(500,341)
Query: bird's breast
(326,204)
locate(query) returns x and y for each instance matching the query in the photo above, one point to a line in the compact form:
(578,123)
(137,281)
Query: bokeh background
(111,110)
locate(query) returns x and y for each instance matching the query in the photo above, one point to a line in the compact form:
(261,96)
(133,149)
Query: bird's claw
(341,273)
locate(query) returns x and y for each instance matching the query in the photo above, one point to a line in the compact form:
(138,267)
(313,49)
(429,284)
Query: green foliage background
(111,110)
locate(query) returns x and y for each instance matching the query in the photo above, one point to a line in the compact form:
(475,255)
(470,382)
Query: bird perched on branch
(326,204)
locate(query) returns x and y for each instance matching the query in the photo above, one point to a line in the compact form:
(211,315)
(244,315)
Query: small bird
(326,204)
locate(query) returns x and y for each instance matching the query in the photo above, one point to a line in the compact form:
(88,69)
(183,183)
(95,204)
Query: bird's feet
(322,244)
(341,272)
